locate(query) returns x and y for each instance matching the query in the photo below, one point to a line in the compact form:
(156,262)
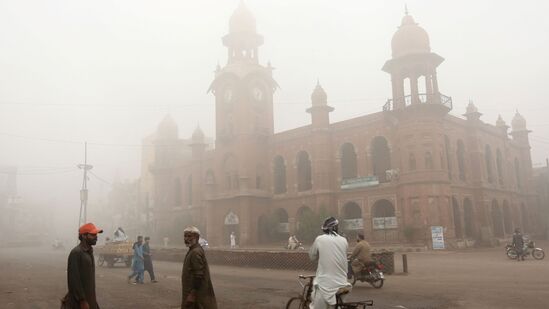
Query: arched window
(488,163)
(460,152)
(383,215)
(210,177)
(412,162)
(348,161)
(507,218)
(499,166)
(352,219)
(190,190)
(381,158)
(279,175)
(448,158)
(517,172)
(177,192)
(230,168)
(468,218)
(428,160)
(304,178)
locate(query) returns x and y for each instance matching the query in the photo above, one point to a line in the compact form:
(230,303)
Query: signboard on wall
(283,227)
(437,235)
(353,224)
(383,223)
(359,182)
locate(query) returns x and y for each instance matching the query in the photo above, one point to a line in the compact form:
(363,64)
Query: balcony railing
(422,98)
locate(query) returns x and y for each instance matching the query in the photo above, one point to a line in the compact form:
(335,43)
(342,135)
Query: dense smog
(274,154)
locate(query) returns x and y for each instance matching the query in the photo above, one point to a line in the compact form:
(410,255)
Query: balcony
(422,98)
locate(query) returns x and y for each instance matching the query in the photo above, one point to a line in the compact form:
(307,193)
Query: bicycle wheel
(296,303)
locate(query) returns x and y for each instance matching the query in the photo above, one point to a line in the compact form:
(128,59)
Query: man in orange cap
(81,271)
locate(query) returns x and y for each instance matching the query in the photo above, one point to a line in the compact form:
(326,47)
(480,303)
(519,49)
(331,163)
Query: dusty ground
(483,278)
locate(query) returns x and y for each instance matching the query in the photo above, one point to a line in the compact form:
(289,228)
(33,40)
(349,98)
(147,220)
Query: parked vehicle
(373,274)
(529,249)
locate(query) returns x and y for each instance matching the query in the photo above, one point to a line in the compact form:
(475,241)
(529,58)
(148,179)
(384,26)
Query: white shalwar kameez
(331,274)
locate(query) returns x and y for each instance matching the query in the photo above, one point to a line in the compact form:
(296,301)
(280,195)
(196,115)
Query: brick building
(390,174)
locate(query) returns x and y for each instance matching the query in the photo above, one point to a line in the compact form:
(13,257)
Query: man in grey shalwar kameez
(330,250)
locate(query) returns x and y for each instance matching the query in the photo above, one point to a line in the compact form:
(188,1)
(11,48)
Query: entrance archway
(231,224)
(384,221)
(468,218)
(457,218)
(352,219)
(497,219)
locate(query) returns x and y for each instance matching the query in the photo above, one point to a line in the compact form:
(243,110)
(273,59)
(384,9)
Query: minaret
(320,111)
(411,59)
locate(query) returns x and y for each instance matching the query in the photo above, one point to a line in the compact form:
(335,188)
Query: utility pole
(83,217)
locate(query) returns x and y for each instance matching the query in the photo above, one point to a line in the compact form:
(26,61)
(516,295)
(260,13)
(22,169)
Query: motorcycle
(529,249)
(373,274)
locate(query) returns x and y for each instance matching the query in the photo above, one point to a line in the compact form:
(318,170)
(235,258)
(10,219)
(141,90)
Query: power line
(99,178)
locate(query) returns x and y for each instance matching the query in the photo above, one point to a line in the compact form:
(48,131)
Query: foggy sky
(108,71)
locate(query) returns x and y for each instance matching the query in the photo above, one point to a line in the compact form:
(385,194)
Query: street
(480,278)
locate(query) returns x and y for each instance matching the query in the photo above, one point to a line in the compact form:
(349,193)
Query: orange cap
(89,228)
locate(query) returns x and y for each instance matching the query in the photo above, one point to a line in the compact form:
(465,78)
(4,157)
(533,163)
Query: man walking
(138,267)
(81,271)
(330,250)
(148,259)
(196,286)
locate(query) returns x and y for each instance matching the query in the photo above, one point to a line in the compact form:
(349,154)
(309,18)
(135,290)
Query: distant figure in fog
(81,271)
(233,240)
(196,286)
(518,243)
(166,240)
(120,235)
(293,242)
(148,259)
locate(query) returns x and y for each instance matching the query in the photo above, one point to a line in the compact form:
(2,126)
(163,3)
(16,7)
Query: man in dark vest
(81,271)
(196,286)
(518,243)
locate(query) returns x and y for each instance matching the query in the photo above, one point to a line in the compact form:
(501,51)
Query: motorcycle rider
(330,250)
(361,257)
(518,244)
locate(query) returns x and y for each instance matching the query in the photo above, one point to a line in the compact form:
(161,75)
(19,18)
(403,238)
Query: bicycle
(304,300)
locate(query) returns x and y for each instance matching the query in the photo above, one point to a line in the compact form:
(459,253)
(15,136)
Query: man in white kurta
(330,250)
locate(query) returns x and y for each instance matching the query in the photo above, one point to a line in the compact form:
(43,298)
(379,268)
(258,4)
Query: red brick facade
(390,175)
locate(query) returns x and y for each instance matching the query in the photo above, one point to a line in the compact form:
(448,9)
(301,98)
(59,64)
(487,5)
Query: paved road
(485,278)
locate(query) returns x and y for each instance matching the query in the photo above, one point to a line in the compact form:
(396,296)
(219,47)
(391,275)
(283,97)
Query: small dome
(471,108)
(410,38)
(242,20)
(319,96)
(167,128)
(198,135)
(518,123)
(500,122)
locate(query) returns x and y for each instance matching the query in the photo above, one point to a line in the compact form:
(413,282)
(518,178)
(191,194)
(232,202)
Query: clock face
(258,94)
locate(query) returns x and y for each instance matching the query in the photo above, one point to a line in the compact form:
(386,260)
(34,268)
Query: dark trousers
(149,267)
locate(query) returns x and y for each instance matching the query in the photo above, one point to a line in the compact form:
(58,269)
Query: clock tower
(243,91)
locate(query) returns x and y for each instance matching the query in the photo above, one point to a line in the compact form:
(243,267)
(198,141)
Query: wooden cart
(115,252)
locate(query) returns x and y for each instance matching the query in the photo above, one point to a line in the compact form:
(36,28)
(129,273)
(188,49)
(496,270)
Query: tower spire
(406,9)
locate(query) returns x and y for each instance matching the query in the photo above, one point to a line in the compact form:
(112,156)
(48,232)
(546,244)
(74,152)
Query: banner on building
(383,223)
(437,234)
(359,182)
(353,224)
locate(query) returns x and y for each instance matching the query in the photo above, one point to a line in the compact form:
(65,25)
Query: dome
(242,20)
(167,128)
(319,96)
(198,135)
(410,38)
(518,123)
